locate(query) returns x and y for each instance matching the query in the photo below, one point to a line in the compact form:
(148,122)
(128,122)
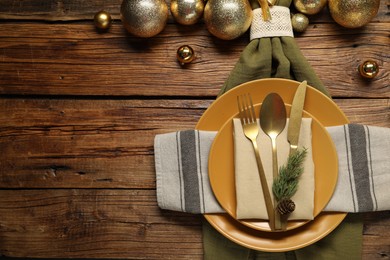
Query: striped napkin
(364,170)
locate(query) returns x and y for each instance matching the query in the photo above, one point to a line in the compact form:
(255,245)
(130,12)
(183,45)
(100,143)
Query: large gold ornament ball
(187,12)
(185,54)
(309,6)
(353,13)
(102,20)
(299,22)
(144,18)
(369,69)
(227,19)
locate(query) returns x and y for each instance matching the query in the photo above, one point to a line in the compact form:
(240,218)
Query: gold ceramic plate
(221,170)
(320,107)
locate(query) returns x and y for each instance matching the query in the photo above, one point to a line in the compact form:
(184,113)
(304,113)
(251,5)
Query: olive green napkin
(280,57)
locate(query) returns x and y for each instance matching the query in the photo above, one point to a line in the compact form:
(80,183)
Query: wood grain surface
(79,110)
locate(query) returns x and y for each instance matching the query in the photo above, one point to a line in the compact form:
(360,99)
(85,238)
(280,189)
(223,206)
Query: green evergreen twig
(286,184)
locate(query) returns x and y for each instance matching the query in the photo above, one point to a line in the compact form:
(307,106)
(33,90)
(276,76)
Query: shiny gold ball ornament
(187,12)
(227,19)
(102,20)
(369,69)
(144,18)
(299,22)
(353,13)
(310,7)
(185,54)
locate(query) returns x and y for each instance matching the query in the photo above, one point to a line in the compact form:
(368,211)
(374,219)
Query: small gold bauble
(185,54)
(369,69)
(353,13)
(144,18)
(187,12)
(227,19)
(102,20)
(299,22)
(310,6)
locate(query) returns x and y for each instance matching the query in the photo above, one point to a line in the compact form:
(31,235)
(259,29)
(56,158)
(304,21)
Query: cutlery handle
(278,223)
(264,186)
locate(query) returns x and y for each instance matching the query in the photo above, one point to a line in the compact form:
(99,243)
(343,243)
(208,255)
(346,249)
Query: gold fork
(251,130)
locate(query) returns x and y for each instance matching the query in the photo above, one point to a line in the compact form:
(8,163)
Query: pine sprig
(286,184)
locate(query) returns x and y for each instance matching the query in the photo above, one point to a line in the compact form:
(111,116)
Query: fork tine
(252,109)
(240,110)
(246,110)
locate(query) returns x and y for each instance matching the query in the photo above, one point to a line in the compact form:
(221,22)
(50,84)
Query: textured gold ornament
(310,6)
(102,20)
(144,18)
(187,12)
(285,206)
(299,22)
(353,13)
(227,19)
(185,54)
(369,69)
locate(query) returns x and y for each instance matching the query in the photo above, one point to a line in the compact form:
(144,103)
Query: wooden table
(79,110)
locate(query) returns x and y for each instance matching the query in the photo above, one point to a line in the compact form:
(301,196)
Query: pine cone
(286,206)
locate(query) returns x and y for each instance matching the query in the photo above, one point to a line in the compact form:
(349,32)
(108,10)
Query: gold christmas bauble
(309,6)
(144,18)
(353,13)
(227,19)
(185,54)
(369,69)
(102,20)
(187,12)
(299,22)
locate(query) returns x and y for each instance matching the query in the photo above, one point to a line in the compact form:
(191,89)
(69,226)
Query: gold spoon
(272,121)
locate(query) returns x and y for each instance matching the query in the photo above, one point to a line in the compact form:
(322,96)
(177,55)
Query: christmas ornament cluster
(229,19)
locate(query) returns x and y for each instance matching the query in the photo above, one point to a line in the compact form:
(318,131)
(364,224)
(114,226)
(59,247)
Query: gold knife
(294,124)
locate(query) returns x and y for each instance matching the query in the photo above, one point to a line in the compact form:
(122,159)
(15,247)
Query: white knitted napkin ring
(279,25)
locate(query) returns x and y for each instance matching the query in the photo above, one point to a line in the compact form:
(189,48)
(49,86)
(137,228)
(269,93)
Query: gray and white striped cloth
(364,168)
(181,162)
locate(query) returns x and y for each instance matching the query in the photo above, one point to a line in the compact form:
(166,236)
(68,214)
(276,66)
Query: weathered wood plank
(94,223)
(375,230)
(117,223)
(80,10)
(49,143)
(73,59)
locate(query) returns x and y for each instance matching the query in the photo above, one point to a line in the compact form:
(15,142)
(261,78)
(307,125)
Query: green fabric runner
(280,57)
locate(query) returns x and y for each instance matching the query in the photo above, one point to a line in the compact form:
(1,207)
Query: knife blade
(294,124)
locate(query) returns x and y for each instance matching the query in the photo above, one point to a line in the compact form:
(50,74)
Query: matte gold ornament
(369,69)
(185,54)
(187,12)
(144,18)
(310,6)
(102,20)
(299,22)
(227,19)
(353,13)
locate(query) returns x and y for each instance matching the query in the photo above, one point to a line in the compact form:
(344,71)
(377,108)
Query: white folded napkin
(249,194)
(181,188)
